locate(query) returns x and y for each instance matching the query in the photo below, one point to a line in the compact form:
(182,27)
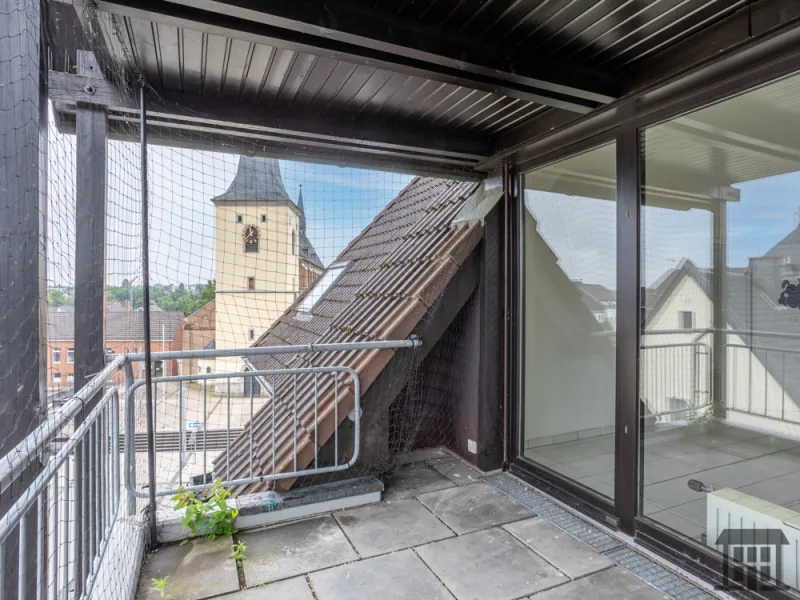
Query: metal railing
(79,550)
(290,399)
(676,378)
(71,509)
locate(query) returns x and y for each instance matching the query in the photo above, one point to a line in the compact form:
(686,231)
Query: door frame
(761,62)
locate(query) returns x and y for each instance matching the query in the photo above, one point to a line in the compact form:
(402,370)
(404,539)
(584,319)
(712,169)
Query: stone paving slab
(381,528)
(397,576)
(198,569)
(559,548)
(611,584)
(289,589)
(489,565)
(457,471)
(473,507)
(291,549)
(412,480)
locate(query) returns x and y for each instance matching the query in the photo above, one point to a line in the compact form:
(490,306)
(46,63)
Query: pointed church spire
(257,178)
(302,210)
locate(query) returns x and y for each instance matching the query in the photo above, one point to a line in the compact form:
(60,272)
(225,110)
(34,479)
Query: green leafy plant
(160,585)
(209,513)
(239,548)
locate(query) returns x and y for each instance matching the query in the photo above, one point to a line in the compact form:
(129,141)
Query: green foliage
(181,298)
(239,548)
(160,585)
(56,297)
(210,513)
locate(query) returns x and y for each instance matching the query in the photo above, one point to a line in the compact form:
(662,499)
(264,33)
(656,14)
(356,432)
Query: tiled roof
(402,262)
(121,326)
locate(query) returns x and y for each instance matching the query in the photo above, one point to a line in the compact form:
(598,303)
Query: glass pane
(570,317)
(720,356)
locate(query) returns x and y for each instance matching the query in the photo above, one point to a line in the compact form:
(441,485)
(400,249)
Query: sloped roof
(748,308)
(401,264)
(257,178)
(121,326)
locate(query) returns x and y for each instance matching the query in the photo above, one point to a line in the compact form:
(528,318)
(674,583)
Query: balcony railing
(70,511)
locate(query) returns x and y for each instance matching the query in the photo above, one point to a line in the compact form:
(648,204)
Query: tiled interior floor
(722,456)
(441,533)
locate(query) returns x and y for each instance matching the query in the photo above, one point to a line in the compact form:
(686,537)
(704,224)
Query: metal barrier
(666,390)
(292,400)
(96,437)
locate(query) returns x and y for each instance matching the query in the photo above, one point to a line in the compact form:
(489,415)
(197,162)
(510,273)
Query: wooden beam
(23,267)
(183,112)
(364,41)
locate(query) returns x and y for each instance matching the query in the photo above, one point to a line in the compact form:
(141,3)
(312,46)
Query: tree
(56,297)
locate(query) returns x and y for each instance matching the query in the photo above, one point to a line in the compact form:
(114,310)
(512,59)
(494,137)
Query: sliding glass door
(720,349)
(570,318)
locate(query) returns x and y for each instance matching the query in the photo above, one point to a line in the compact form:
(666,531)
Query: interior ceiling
(417,85)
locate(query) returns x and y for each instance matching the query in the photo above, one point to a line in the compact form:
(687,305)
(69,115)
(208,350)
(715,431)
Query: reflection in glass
(570,317)
(720,356)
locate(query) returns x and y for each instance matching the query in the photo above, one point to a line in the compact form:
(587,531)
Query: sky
(339,204)
(582,231)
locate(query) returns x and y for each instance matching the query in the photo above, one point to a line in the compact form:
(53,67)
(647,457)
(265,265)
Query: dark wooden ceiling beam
(194,116)
(324,29)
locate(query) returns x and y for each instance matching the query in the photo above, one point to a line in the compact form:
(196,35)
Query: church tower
(261,250)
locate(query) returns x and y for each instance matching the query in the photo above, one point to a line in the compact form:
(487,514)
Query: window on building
(686,319)
(263,218)
(56,355)
(70,377)
(56,377)
(238,218)
(252,334)
(322,287)
(251,283)
(294,242)
(70,355)
(109,351)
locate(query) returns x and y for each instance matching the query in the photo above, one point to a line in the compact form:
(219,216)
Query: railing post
(130,439)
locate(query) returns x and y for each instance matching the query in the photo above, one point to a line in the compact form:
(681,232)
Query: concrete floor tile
(611,584)
(472,507)
(198,569)
(569,555)
(665,469)
(422,455)
(457,471)
(396,576)
(292,549)
(381,528)
(671,493)
(412,480)
(289,589)
(680,524)
(708,459)
(489,565)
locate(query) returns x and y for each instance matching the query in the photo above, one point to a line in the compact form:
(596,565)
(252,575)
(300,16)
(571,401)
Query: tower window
(251,283)
(263,218)
(294,242)
(250,237)
(252,334)
(238,218)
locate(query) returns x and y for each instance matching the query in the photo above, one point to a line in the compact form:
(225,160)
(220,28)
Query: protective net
(250,246)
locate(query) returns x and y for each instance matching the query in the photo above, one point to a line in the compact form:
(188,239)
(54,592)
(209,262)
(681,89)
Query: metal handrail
(275,476)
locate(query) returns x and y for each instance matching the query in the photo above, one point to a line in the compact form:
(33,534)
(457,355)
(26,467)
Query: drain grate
(660,578)
(548,510)
(645,569)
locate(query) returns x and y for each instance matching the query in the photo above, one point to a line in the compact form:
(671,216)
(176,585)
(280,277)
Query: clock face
(250,234)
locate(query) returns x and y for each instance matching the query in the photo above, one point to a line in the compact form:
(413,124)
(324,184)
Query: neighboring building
(199,329)
(763,372)
(124,333)
(263,256)
(601,301)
